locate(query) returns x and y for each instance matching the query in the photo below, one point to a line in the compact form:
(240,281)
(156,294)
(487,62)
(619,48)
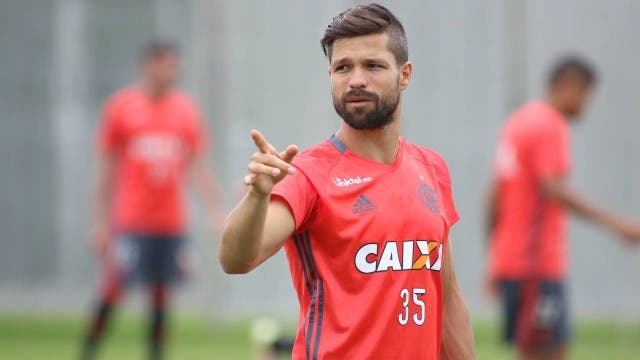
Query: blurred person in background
(364,216)
(528,205)
(150,141)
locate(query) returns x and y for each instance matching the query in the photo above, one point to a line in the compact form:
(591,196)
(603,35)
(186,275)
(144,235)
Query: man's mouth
(358,100)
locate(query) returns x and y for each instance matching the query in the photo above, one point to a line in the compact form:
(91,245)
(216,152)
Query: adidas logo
(363,204)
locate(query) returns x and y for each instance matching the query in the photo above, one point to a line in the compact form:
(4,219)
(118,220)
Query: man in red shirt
(364,217)
(150,137)
(528,209)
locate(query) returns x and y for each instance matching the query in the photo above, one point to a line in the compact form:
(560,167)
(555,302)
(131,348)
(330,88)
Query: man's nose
(358,79)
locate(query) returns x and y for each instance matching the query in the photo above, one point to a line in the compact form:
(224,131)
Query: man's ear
(406,70)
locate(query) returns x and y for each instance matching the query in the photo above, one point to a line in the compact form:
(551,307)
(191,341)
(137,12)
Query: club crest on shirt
(429,197)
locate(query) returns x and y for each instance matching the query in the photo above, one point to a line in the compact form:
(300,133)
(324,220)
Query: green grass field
(56,337)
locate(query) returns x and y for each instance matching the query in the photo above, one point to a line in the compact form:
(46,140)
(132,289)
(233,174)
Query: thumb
(289,153)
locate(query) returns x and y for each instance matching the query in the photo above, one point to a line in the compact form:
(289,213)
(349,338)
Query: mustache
(361,94)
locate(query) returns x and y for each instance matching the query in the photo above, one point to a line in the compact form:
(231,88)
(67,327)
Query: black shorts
(535,313)
(147,259)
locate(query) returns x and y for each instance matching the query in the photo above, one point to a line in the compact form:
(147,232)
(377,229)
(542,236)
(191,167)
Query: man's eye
(342,68)
(374,66)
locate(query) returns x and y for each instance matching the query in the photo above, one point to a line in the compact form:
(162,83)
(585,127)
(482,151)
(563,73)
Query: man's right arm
(257,227)
(557,189)
(254,231)
(551,163)
(491,209)
(103,184)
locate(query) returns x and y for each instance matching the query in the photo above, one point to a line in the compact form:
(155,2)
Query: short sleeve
(109,137)
(550,151)
(300,195)
(446,192)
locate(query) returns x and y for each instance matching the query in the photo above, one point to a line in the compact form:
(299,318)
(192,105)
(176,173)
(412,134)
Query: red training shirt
(152,141)
(367,251)
(529,238)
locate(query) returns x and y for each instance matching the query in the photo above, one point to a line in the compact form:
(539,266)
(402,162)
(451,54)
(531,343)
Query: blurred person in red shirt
(528,207)
(150,141)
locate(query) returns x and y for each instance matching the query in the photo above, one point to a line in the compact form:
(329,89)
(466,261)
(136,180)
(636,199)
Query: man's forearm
(242,235)
(490,210)
(102,192)
(206,185)
(100,200)
(562,193)
(457,333)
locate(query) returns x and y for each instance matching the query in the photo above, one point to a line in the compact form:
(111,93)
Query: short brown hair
(365,20)
(157,48)
(572,64)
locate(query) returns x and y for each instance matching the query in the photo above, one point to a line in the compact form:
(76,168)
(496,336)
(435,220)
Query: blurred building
(258,64)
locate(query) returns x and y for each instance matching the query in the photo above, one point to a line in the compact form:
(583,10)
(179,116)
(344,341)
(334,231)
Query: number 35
(418,316)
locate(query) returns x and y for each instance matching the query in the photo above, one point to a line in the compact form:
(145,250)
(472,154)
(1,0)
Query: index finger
(260,141)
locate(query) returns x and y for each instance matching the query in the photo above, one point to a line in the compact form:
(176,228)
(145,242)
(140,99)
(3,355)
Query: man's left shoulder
(427,156)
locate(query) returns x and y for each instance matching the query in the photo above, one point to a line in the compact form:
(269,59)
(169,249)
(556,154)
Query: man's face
(161,71)
(366,81)
(576,92)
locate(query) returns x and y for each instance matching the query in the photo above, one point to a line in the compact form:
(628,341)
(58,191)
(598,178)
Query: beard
(362,118)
